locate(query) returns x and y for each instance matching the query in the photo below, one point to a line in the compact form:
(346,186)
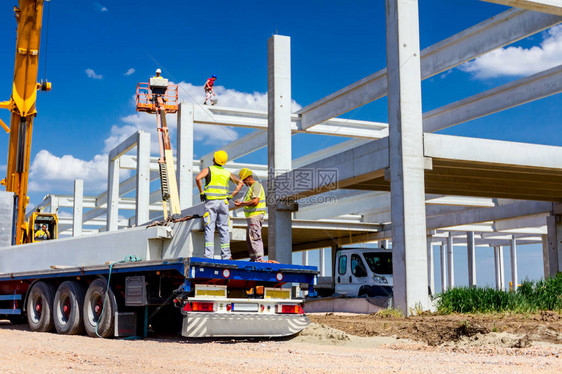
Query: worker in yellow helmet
(216,196)
(254,210)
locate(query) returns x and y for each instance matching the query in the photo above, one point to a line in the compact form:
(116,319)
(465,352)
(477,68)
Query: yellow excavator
(29,14)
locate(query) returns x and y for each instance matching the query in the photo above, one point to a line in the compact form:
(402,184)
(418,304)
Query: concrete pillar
(142,199)
(77,207)
(471,253)
(498,261)
(279,159)
(305,258)
(185,154)
(450,262)
(333,259)
(54,203)
(113,195)
(321,264)
(443,252)
(546,268)
(407,187)
(513,256)
(554,249)
(430,265)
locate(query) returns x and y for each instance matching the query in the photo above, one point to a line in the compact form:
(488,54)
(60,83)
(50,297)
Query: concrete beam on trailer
(279,143)
(498,31)
(545,6)
(409,248)
(77,207)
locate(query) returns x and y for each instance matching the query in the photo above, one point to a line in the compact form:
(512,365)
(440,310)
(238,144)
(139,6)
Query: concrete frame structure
(483,204)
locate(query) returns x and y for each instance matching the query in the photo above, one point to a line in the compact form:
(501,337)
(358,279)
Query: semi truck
(120,283)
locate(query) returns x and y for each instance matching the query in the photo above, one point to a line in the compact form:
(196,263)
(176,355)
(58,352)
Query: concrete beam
(545,6)
(512,94)
(484,37)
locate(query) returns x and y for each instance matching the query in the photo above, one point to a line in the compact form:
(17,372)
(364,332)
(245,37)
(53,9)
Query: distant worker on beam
(254,205)
(216,196)
(209,91)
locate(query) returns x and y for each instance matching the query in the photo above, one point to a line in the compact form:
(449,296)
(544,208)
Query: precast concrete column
(333,259)
(430,264)
(554,248)
(545,261)
(513,256)
(142,199)
(279,160)
(498,261)
(471,253)
(113,195)
(443,253)
(53,203)
(305,258)
(450,262)
(77,208)
(407,190)
(321,265)
(185,154)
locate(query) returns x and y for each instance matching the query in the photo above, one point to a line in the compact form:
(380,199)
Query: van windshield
(379,263)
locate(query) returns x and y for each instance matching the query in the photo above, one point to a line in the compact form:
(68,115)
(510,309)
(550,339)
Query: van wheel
(40,306)
(99,310)
(68,308)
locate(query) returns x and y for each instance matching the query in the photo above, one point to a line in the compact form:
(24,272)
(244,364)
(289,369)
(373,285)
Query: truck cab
(41,227)
(363,272)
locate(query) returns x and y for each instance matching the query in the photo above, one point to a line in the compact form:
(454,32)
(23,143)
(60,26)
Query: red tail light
(290,309)
(197,306)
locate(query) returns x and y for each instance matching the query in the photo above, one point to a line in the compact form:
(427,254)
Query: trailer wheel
(40,306)
(98,310)
(68,308)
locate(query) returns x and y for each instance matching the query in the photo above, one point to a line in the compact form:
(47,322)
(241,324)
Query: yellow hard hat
(221,157)
(245,173)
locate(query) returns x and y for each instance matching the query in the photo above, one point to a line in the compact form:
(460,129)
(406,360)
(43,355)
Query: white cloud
(100,7)
(129,72)
(519,61)
(53,173)
(3,167)
(92,74)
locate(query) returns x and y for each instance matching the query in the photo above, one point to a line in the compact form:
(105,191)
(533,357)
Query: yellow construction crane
(29,16)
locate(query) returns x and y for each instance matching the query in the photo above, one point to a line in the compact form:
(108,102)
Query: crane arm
(29,15)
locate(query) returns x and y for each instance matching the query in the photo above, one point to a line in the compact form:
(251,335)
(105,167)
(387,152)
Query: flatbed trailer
(204,297)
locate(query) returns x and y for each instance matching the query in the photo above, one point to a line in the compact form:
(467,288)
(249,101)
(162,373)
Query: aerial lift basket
(146,95)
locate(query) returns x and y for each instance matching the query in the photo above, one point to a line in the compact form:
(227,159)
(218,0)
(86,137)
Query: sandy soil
(319,349)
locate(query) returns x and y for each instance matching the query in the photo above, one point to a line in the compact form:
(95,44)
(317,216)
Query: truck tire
(68,307)
(99,311)
(40,307)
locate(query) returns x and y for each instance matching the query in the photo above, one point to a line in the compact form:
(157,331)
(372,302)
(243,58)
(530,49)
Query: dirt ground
(331,344)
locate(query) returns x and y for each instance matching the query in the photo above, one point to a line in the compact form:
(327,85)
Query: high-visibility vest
(254,210)
(217,188)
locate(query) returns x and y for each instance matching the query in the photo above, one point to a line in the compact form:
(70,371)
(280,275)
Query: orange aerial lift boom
(22,105)
(158,97)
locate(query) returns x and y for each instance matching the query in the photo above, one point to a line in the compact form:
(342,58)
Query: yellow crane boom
(29,16)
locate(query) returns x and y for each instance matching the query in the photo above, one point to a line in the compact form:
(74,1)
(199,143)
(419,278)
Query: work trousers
(253,237)
(216,213)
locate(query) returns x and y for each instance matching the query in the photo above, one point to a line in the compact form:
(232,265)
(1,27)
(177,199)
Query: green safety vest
(255,210)
(217,188)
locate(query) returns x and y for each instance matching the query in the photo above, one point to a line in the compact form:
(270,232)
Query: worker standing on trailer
(209,91)
(216,196)
(254,210)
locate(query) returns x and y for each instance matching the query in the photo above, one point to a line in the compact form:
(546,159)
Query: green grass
(530,297)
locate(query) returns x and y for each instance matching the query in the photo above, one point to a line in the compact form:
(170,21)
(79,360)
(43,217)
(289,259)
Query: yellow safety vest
(217,188)
(254,210)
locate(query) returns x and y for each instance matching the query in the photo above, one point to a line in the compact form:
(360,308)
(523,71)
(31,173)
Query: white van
(363,272)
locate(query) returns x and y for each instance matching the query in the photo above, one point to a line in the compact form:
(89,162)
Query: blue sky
(99,50)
